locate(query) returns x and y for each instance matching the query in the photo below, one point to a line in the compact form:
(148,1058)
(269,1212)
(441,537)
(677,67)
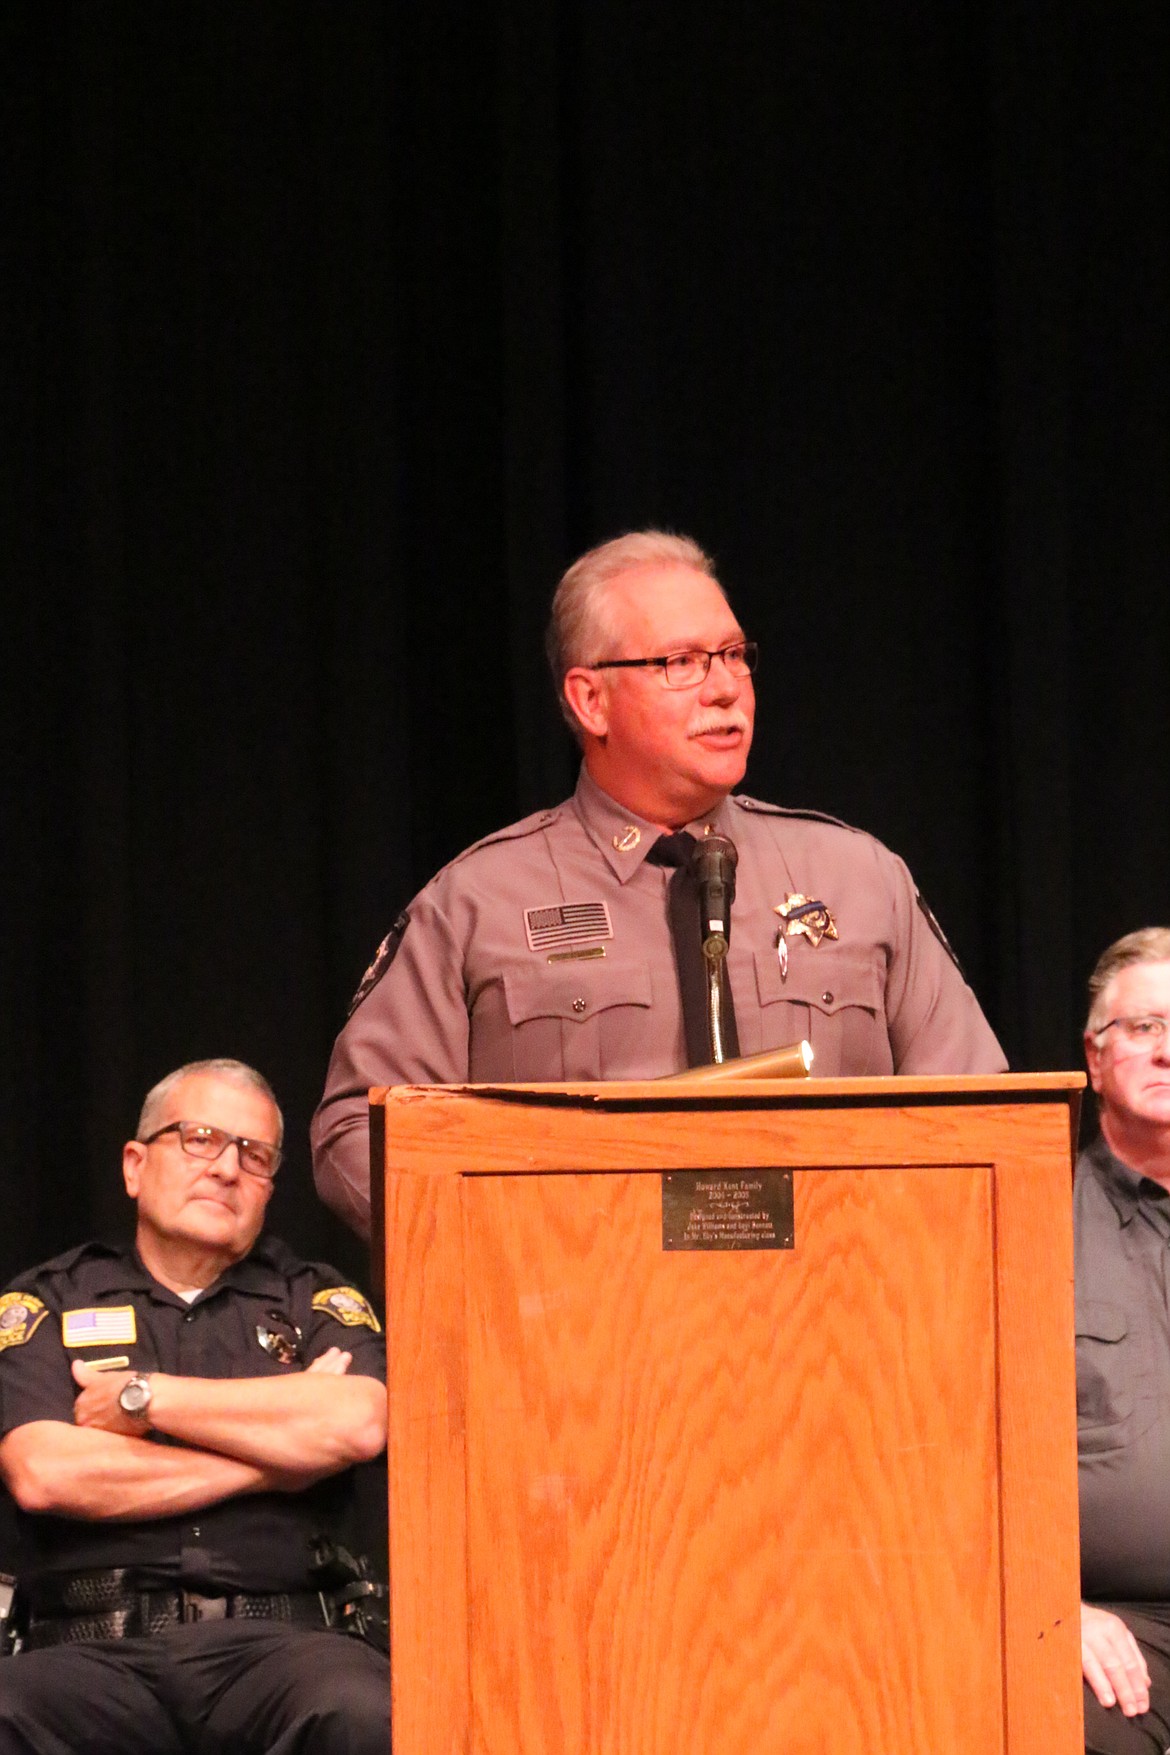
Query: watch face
(135,1396)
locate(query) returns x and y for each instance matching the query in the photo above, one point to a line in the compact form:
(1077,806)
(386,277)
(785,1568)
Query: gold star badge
(804,917)
(801,916)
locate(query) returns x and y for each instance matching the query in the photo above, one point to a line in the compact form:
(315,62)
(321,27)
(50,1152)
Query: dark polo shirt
(1122,1225)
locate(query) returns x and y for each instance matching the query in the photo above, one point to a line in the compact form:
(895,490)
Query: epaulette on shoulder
(541,819)
(779,810)
(275,1253)
(65,1262)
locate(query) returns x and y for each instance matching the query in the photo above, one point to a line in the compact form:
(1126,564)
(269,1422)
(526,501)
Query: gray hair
(1151,944)
(579,629)
(233,1072)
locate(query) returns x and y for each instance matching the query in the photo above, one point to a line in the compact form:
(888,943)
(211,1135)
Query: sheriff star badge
(801,917)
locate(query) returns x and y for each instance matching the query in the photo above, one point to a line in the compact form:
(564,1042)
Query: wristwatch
(135,1396)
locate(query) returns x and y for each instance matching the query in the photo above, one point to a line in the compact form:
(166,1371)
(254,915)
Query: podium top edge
(896,1090)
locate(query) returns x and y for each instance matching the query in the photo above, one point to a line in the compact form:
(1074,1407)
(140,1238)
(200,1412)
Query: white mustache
(727,719)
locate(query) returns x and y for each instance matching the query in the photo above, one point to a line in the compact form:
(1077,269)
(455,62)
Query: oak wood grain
(426,1464)
(733,1501)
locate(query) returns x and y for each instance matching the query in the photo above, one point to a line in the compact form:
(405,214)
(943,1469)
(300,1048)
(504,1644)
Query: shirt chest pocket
(559,1020)
(1105,1365)
(834,995)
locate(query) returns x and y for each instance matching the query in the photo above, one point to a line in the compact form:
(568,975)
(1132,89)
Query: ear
(588,699)
(133,1157)
(1093,1060)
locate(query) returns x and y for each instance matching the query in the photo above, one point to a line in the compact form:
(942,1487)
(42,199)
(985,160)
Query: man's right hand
(1112,1662)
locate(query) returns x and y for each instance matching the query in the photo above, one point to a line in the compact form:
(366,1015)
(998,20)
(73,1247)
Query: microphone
(713,869)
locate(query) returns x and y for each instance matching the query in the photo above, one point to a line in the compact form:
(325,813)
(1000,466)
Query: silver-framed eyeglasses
(686,670)
(1148,1032)
(200,1140)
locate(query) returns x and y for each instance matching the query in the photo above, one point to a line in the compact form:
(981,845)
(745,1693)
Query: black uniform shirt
(95,1298)
(1123,1380)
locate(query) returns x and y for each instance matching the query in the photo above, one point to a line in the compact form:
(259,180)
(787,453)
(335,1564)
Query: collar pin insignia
(628,839)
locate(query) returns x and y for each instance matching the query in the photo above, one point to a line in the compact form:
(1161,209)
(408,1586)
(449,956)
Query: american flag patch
(108,1323)
(566,923)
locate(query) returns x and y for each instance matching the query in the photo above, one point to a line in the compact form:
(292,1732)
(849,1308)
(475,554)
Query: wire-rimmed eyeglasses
(686,670)
(1146,1032)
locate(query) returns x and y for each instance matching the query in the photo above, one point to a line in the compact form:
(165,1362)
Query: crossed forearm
(230,1436)
(306,1424)
(73,1471)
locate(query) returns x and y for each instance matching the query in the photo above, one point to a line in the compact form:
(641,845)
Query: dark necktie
(682,902)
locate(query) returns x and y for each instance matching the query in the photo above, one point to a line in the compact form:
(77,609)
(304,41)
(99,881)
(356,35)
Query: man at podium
(552,950)
(1122,1218)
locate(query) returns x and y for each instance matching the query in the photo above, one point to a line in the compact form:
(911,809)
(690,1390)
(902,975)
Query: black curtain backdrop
(331,332)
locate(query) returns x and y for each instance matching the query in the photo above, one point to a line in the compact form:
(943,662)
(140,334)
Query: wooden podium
(671,1474)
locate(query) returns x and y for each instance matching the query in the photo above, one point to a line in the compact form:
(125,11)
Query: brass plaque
(727,1209)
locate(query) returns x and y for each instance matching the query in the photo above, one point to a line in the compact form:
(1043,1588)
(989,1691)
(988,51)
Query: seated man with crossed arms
(179,1425)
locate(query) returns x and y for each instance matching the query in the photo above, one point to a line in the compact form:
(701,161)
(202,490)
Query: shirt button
(190,1316)
(579,1005)
(195,1530)
(826,999)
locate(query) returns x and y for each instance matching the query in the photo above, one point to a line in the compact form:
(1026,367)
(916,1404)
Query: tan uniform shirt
(479,988)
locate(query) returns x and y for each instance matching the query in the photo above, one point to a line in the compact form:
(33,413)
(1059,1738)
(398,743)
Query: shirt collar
(1128,1191)
(258,1273)
(621,836)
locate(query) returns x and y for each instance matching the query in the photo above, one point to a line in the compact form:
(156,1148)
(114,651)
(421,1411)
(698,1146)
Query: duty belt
(107,1605)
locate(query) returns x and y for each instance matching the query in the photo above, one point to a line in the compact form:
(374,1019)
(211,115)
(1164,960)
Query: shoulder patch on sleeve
(345,1304)
(938,932)
(383,957)
(779,810)
(20,1316)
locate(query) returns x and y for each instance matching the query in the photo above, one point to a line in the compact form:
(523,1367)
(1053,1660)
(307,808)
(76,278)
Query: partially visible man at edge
(1122,1230)
(178,1426)
(544,952)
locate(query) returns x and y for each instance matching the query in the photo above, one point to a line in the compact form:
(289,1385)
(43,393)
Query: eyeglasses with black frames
(686,670)
(1147,1033)
(200,1140)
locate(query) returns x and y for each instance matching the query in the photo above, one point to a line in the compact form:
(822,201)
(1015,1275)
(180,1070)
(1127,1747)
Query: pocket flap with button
(574,991)
(1106,1363)
(828,976)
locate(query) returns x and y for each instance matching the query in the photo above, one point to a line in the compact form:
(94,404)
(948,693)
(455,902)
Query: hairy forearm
(83,1472)
(306,1423)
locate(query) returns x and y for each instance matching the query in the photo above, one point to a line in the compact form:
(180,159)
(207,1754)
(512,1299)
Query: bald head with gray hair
(1150,944)
(233,1072)
(579,630)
